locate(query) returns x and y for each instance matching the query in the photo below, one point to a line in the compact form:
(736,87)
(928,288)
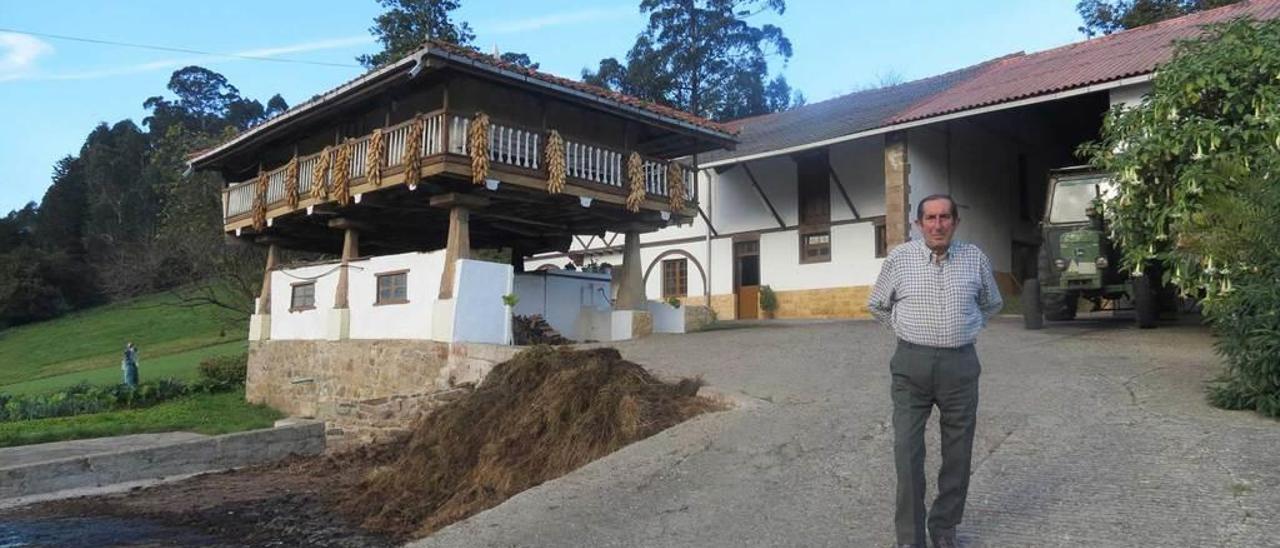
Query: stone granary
(407,169)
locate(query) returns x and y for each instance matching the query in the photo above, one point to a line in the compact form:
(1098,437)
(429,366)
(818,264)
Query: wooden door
(746,278)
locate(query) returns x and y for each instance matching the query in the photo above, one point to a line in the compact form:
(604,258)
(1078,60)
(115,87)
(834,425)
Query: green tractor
(1078,261)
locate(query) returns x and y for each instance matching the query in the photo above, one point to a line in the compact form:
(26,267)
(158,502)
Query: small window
(882,241)
(303,297)
(393,287)
(815,247)
(675,278)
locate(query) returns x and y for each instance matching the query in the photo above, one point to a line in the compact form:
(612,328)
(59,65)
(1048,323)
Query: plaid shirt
(936,302)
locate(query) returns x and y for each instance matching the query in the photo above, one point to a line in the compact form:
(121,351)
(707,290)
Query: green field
(87,345)
(181,366)
(205,414)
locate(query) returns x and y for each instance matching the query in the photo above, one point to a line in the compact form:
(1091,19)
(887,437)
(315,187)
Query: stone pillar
(260,321)
(631,294)
(339,327)
(264,298)
(350,250)
(897,189)
(458,246)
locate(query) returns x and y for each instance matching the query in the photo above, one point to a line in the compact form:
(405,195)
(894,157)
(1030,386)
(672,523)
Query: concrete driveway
(1090,434)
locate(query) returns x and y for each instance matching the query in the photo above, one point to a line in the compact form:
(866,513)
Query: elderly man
(935,294)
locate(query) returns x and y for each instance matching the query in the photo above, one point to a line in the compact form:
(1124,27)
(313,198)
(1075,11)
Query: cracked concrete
(1090,434)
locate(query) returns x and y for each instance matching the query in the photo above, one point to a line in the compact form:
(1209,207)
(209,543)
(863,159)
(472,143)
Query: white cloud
(171,63)
(18,53)
(560,19)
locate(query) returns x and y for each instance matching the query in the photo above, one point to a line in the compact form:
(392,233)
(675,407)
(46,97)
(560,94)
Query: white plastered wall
(411,320)
(567,300)
(302,324)
(979,170)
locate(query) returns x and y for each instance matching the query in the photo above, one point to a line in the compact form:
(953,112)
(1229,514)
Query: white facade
(571,302)
(479,288)
(995,165)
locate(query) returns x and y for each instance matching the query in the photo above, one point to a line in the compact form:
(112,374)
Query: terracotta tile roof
(1120,55)
(599,92)
(1018,76)
(443,49)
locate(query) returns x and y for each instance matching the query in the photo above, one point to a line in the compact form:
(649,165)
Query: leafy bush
(768,301)
(1195,165)
(225,370)
(84,398)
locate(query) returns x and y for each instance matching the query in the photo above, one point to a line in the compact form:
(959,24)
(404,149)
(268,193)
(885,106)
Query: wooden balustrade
(509,145)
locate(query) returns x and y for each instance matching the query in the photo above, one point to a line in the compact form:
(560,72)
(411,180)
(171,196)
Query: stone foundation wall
(365,385)
(832,302)
(721,305)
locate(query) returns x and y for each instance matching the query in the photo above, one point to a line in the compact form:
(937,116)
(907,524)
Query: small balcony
(516,154)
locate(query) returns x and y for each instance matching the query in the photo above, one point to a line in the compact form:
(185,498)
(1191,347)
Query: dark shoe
(945,540)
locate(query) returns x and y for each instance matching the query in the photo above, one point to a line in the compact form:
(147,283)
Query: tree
(1195,166)
(703,57)
(408,23)
(1108,16)
(519,59)
(206,102)
(64,208)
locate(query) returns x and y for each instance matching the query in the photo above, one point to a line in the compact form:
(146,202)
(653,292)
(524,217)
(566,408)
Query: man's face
(936,224)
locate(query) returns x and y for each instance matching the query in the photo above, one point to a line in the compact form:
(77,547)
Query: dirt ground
(535,418)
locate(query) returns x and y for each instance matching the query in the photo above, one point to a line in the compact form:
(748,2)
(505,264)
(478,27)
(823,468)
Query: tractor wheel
(1032,308)
(1145,302)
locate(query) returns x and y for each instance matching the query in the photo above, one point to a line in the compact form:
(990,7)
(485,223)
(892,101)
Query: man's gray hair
(955,210)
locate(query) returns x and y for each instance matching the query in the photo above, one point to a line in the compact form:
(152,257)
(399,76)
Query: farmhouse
(813,198)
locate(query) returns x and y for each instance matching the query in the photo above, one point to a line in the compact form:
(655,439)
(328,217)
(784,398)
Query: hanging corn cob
(291,182)
(675,187)
(373,158)
(342,175)
(319,174)
(413,151)
(260,201)
(556,169)
(478,140)
(635,175)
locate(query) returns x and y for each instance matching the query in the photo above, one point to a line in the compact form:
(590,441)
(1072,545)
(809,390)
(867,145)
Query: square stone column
(897,189)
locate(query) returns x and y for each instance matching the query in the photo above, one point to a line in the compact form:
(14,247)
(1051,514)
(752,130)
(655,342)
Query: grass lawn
(93,339)
(205,414)
(181,366)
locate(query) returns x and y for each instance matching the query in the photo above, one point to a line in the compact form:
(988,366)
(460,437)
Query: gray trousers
(923,377)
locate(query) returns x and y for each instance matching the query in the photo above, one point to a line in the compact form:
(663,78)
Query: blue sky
(52,92)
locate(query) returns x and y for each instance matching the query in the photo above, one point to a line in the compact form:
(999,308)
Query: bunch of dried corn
(413,151)
(478,142)
(556,169)
(635,175)
(675,187)
(373,158)
(260,202)
(319,172)
(291,182)
(342,175)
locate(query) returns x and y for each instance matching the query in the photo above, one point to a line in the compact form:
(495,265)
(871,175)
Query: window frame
(377,287)
(681,270)
(805,246)
(293,296)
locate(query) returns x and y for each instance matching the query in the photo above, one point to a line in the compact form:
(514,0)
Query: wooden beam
(836,179)
(707,220)
(454,199)
(760,191)
(345,223)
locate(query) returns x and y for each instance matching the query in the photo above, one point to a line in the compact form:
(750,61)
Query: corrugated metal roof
(834,117)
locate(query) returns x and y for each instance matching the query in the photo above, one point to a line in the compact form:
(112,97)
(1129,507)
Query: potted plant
(768,301)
